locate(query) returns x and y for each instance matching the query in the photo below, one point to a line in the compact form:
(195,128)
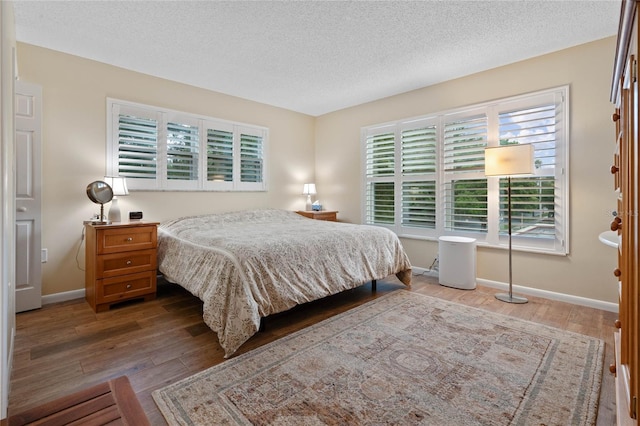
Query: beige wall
(74,134)
(586,271)
(75,91)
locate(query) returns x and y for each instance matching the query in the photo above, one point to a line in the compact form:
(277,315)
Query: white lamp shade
(117,184)
(508,160)
(309,189)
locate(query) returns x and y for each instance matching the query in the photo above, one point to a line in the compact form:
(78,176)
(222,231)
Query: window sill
(486,245)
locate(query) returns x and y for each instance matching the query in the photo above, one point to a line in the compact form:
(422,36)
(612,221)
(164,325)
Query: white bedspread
(251,264)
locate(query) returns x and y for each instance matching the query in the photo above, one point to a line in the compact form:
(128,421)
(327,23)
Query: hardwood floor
(65,347)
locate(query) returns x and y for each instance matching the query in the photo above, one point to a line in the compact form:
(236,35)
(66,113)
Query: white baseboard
(576,300)
(62,297)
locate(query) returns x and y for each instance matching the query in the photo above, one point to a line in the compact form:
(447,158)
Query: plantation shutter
(251,155)
(219,155)
(419,204)
(183,143)
(466,205)
(464,142)
(380,170)
(465,187)
(533,198)
(533,125)
(419,160)
(380,157)
(419,154)
(532,206)
(137,146)
(160,149)
(424,176)
(380,203)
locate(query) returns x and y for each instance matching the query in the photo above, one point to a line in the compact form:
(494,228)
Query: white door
(7,200)
(28,193)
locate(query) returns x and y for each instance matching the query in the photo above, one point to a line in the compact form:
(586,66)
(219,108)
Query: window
(464,185)
(380,168)
(424,177)
(160,149)
(419,160)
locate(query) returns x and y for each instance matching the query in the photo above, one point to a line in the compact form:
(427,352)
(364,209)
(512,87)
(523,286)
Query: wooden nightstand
(321,215)
(121,262)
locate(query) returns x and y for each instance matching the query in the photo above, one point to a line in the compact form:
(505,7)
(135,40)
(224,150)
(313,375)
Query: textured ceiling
(312,56)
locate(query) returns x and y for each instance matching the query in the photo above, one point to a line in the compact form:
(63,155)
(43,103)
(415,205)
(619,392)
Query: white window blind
(160,149)
(533,199)
(424,177)
(464,142)
(136,148)
(183,141)
(532,207)
(419,164)
(419,204)
(219,155)
(251,158)
(465,187)
(379,169)
(381,155)
(380,199)
(419,151)
(466,205)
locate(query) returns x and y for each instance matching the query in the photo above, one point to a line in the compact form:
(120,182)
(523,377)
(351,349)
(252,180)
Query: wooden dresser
(121,262)
(625,168)
(321,215)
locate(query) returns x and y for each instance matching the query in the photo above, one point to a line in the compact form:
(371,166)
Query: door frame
(7,200)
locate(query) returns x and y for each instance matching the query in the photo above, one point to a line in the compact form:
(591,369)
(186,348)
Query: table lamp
(119,186)
(309,189)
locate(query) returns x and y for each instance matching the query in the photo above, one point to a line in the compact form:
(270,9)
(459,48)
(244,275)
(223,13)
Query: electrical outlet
(44,255)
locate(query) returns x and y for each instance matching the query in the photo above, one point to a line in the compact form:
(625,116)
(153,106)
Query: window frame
(492,237)
(163,116)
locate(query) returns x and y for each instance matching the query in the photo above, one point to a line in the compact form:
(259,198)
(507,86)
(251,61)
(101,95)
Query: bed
(250,264)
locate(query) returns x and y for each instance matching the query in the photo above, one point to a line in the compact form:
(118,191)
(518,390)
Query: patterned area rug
(404,358)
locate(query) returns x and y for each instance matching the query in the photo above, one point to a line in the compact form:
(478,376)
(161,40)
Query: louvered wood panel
(627,180)
(109,402)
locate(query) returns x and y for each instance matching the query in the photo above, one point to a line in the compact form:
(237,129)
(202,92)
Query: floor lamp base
(509,298)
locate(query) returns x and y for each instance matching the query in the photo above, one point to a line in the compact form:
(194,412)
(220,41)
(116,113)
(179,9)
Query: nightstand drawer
(110,265)
(126,239)
(329,215)
(121,263)
(124,287)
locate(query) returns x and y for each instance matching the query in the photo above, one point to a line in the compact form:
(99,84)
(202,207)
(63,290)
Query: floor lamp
(509,160)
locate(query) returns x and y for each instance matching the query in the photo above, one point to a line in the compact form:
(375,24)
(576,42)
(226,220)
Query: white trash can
(457,262)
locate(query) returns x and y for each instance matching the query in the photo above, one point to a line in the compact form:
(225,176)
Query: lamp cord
(78,252)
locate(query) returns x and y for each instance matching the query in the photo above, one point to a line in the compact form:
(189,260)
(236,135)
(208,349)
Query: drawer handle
(129,239)
(616,224)
(128,262)
(128,285)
